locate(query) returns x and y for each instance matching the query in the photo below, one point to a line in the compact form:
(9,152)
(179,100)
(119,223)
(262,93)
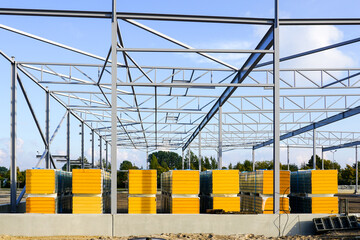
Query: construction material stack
(49,191)
(142,191)
(219,190)
(91,189)
(256,191)
(180,192)
(312,191)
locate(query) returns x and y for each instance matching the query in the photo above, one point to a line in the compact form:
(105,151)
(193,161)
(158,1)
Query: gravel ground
(162,236)
(354,234)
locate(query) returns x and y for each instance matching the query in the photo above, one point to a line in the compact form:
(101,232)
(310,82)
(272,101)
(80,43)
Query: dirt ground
(352,234)
(162,236)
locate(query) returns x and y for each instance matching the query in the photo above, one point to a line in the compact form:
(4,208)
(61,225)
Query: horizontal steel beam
(324,122)
(345,145)
(179,50)
(176,17)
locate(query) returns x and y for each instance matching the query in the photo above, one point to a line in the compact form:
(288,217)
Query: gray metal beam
(68,142)
(251,62)
(179,50)
(199,137)
(324,122)
(356,170)
(100,153)
(302,54)
(314,148)
(113,110)
(177,17)
(345,145)
(13,166)
(92,149)
(47,128)
(32,111)
(276,112)
(220,139)
(82,145)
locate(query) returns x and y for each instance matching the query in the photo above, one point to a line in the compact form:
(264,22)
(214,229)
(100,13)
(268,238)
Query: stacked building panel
(142,191)
(180,192)
(49,191)
(256,191)
(312,191)
(91,189)
(219,190)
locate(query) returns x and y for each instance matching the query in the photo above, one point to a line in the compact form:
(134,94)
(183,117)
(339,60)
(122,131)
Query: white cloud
(135,156)
(299,39)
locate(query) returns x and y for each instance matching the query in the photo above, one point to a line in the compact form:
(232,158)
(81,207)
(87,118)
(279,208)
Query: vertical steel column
(100,153)
(92,149)
(156,133)
(106,156)
(253,159)
(113,110)
(13,175)
(288,157)
(220,139)
(82,145)
(314,148)
(47,128)
(147,155)
(182,159)
(200,151)
(357,170)
(189,157)
(322,157)
(68,143)
(276,112)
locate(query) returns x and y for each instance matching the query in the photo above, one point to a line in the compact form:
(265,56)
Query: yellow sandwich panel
(142,181)
(268,181)
(325,205)
(225,181)
(185,205)
(268,207)
(87,205)
(87,181)
(324,181)
(185,182)
(228,204)
(138,205)
(40,181)
(40,205)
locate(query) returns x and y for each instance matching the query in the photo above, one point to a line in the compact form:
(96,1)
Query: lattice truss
(161,107)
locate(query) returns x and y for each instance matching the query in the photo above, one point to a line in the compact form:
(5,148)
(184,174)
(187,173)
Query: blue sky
(93,35)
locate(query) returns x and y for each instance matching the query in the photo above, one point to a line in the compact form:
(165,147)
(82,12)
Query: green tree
(264,165)
(122,176)
(327,164)
(171,160)
(292,167)
(230,166)
(347,175)
(75,166)
(154,164)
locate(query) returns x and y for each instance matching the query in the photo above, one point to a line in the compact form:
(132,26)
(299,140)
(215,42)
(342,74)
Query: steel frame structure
(150,107)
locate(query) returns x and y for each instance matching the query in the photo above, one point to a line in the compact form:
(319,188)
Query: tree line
(164,161)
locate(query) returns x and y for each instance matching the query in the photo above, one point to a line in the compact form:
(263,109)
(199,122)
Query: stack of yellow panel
(257,191)
(312,191)
(142,191)
(49,191)
(219,190)
(89,188)
(261,204)
(261,182)
(179,192)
